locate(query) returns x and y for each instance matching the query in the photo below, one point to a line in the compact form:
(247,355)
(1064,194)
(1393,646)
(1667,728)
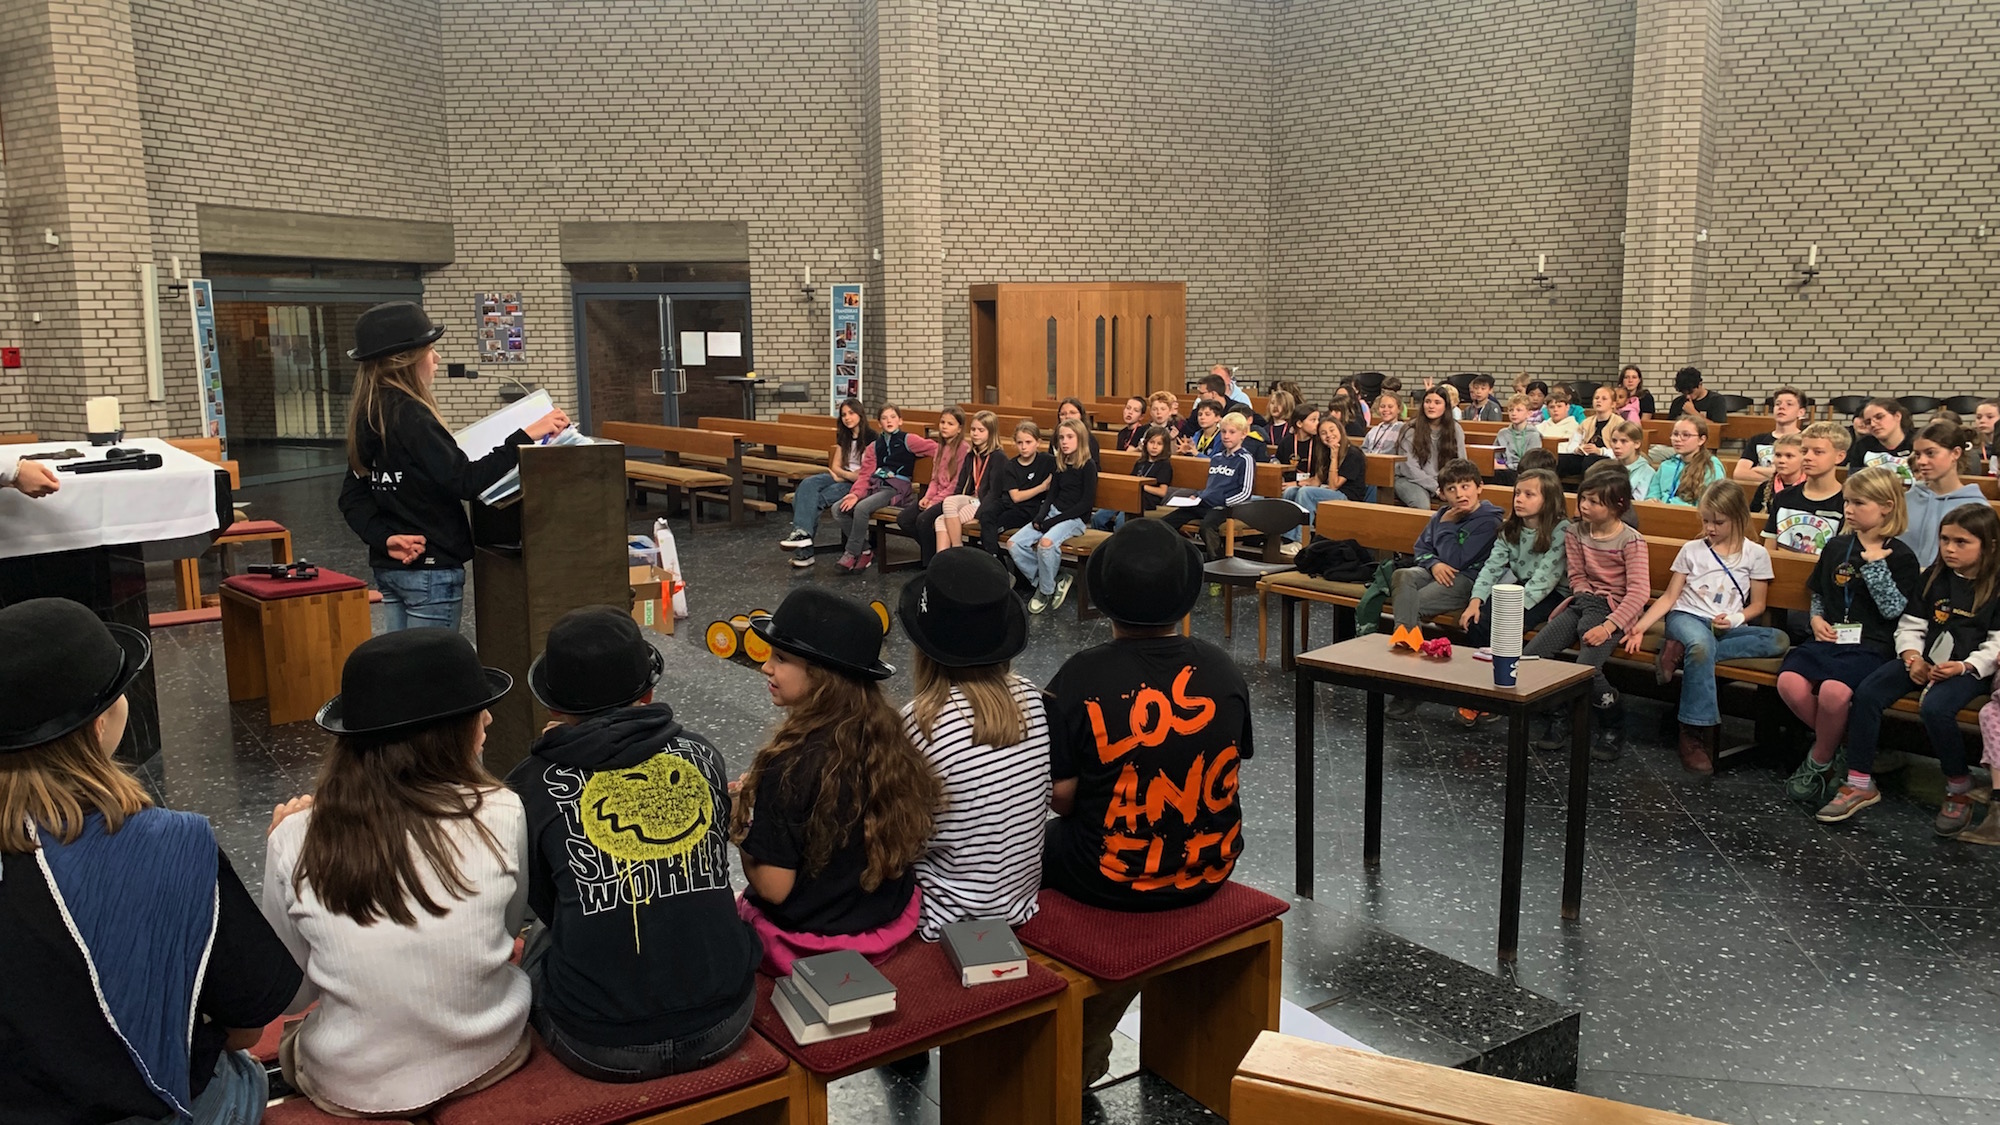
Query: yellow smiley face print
(658,809)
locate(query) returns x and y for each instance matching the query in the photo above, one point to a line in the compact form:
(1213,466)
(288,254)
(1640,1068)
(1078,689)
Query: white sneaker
(1038,603)
(1063,583)
(796,540)
(1289,550)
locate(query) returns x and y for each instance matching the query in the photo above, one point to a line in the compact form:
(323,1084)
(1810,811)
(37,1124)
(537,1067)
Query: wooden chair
(187,572)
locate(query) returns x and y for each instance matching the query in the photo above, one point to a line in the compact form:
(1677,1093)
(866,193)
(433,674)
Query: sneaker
(1669,662)
(1289,550)
(1467,717)
(1063,583)
(1607,700)
(1402,706)
(866,560)
(798,538)
(1038,603)
(1847,802)
(1812,784)
(1696,758)
(1988,830)
(1607,738)
(802,557)
(1555,732)
(1955,815)
(846,564)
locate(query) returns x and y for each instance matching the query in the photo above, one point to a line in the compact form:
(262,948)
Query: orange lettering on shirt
(1161,792)
(1218,789)
(1152,718)
(1125,800)
(1113,867)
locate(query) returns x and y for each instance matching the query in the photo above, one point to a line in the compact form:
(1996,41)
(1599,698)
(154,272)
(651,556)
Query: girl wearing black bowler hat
(400,884)
(983,728)
(838,761)
(408,480)
(120,922)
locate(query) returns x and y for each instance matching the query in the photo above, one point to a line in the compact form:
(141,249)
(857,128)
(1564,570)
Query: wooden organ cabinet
(1091,339)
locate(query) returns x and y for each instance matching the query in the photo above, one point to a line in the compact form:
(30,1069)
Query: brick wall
(1424,155)
(1110,140)
(1868,129)
(13,384)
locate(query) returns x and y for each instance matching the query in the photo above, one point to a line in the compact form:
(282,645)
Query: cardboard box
(652,598)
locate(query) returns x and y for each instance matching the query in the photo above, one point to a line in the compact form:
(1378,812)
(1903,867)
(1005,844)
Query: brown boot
(1668,662)
(1987,831)
(1697,757)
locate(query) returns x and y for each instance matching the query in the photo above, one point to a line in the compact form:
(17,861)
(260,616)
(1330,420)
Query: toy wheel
(721,639)
(882,613)
(756,648)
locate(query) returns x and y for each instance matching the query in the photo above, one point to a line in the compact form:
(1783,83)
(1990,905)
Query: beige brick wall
(1106,140)
(1424,155)
(1869,129)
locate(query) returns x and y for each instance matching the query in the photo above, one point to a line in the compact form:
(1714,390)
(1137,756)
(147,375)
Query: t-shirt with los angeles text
(1800,523)
(1153,730)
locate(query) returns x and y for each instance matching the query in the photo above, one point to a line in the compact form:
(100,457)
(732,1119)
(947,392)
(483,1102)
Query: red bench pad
(545,1092)
(298,1111)
(275,589)
(930,1000)
(1113,945)
(255,527)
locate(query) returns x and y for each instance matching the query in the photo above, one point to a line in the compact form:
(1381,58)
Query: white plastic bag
(670,561)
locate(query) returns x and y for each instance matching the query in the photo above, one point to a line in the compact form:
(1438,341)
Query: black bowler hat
(394,327)
(595,659)
(1145,575)
(828,630)
(962,612)
(403,680)
(60,667)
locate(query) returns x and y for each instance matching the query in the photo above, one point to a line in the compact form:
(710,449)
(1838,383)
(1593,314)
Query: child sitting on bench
(1682,478)
(1232,479)
(1037,547)
(1528,550)
(1806,515)
(1450,551)
(817,493)
(1024,477)
(884,479)
(918,519)
(974,496)
(1788,470)
(1609,584)
(1515,440)
(1628,449)
(1107,846)
(838,805)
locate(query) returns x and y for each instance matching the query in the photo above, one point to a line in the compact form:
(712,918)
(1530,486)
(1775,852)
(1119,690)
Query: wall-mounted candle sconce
(806,289)
(1542,279)
(1811,269)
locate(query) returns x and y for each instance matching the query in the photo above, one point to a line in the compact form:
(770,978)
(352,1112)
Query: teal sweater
(1667,480)
(1542,572)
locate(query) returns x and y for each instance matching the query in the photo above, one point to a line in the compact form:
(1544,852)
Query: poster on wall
(846,343)
(207,362)
(502,328)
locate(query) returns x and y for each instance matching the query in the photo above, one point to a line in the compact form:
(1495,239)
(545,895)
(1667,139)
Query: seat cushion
(299,1111)
(930,1000)
(1112,945)
(273,589)
(544,1090)
(255,527)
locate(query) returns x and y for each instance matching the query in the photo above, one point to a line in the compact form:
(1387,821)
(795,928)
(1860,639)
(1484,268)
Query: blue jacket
(1232,477)
(1461,544)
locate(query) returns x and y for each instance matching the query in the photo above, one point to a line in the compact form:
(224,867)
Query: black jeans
(637,1063)
(921,524)
(1212,520)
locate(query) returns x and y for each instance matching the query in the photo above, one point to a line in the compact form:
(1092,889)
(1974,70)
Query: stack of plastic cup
(1504,611)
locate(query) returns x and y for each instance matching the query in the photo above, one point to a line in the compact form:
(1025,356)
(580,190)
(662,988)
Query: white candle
(1812,256)
(1541,263)
(101,415)
(809,275)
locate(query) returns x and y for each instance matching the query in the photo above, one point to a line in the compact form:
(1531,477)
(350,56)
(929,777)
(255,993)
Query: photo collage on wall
(502,328)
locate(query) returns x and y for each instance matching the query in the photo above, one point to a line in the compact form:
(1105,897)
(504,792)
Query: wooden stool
(187,572)
(287,639)
(1211,975)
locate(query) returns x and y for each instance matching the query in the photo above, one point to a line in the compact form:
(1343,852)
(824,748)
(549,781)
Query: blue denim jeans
(814,495)
(1039,564)
(426,598)
(1308,496)
(1107,519)
(638,1063)
(1704,648)
(234,1096)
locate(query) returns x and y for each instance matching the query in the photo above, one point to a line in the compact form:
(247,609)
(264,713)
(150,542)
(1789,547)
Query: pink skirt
(782,947)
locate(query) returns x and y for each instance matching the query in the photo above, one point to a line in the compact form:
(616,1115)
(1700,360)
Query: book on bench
(984,951)
(843,986)
(804,1022)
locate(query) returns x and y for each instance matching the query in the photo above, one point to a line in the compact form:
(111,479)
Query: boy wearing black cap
(1146,735)
(641,967)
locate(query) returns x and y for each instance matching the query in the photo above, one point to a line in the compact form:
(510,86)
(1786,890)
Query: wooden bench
(825,422)
(1288,1081)
(776,454)
(679,481)
(1659,430)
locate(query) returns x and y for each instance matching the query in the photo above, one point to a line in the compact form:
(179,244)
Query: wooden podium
(561,546)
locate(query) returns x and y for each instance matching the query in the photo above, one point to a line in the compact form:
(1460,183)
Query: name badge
(1847,634)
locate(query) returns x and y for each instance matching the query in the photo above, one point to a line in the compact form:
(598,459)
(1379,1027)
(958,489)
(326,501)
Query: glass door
(624,365)
(661,351)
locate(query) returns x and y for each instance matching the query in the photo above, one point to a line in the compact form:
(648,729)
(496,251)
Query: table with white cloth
(89,542)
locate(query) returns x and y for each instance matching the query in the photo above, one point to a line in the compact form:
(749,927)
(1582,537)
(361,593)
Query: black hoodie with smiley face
(628,822)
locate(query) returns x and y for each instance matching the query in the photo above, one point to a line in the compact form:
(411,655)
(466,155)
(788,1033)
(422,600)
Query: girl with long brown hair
(838,805)
(400,884)
(919,519)
(1684,477)
(407,480)
(1427,443)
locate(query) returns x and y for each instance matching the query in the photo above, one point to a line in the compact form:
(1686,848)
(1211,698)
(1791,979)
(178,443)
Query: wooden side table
(288,639)
(1370,665)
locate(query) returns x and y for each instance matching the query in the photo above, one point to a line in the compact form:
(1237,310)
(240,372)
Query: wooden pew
(825,422)
(775,453)
(1287,1081)
(1658,430)
(677,480)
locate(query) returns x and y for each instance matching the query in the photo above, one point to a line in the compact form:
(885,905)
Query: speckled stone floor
(1734,960)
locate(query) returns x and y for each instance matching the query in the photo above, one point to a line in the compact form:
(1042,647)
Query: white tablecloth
(97,509)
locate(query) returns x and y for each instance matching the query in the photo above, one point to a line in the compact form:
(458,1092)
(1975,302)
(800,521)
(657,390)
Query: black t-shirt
(1159,472)
(1757,450)
(64,1066)
(1646,403)
(830,900)
(1868,451)
(1799,523)
(1354,473)
(1844,596)
(1357,426)
(1015,475)
(1710,406)
(1153,731)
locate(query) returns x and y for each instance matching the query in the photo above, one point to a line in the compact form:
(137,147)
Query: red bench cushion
(255,527)
(1113,945)
(545,1090)
(299,1111)
(273,589)
(930,1001)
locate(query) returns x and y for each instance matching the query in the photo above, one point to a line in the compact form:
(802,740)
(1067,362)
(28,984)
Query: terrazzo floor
(1734,961)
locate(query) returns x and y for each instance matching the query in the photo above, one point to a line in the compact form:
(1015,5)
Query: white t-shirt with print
(1715,583)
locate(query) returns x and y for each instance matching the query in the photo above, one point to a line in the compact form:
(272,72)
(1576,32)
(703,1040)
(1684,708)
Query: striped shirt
(985,860)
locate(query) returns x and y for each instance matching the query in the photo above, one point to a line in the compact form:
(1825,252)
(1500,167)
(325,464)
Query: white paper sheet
(1182,501)
(480,438)
(694,349)
(725,343)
